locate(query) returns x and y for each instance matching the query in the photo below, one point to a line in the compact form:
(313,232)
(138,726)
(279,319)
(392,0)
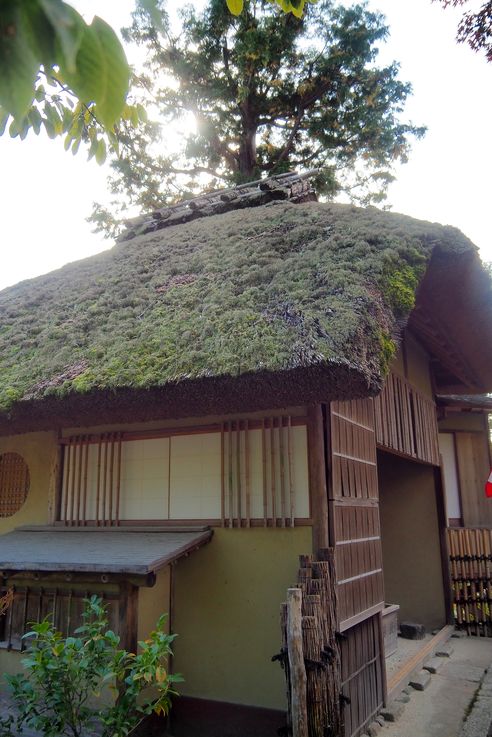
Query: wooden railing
(470,563)
(406,421)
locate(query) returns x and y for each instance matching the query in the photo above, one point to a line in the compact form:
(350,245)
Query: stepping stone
(373,729)
(434,665)
(392,712)
(419,681)
(444,651)
(380,720)
(412,630)
(403,698)
(458,634)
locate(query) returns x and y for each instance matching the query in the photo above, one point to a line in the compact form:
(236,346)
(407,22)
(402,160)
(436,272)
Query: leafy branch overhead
(260,93)
(475,27)
(47,44)
(71,78)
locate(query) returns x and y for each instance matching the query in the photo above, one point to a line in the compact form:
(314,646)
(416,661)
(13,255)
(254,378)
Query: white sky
(46,193)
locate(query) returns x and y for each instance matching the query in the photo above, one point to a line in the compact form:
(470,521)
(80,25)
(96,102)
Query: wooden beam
(128,616)
(317,477)
(56,487)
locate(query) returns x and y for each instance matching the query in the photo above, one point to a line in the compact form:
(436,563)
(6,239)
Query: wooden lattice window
(14,483)
(63,605)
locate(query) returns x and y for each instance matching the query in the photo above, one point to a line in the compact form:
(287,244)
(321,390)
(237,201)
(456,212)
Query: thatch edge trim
(193,398)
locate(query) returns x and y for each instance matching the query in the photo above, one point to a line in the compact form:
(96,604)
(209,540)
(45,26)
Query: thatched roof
(260,307)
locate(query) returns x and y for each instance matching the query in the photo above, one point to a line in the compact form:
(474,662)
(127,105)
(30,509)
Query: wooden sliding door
(355,535)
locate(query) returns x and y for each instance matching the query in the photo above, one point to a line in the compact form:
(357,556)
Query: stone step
(419,681)
(434,665)
(444,651)
(392,712)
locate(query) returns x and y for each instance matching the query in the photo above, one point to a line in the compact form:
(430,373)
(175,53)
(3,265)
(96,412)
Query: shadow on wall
(410,540)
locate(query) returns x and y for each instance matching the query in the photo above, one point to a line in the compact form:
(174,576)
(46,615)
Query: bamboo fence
(311,660)
(470,562)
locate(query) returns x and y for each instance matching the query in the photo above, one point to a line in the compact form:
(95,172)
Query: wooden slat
(406,421)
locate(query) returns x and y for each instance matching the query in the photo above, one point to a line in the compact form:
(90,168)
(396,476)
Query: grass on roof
(272,288)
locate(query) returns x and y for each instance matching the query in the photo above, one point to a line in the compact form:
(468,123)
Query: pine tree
(268,92)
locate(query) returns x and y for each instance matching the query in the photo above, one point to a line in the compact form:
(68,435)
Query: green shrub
(64,688)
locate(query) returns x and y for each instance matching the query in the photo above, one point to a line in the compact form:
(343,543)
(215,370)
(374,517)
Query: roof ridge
(293,186)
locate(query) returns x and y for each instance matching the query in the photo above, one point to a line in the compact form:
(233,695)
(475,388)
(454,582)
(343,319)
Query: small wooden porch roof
(126,551)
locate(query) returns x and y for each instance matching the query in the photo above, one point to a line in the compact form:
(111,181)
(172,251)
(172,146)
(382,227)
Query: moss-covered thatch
(268,289)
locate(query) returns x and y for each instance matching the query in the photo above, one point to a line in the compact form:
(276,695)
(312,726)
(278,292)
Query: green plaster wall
(152,602)
(226,611)
(410,540)
(39,451)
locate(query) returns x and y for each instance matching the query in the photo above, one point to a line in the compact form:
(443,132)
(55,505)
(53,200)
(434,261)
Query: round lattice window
(14,483)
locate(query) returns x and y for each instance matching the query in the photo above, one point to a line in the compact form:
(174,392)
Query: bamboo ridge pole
(296,663)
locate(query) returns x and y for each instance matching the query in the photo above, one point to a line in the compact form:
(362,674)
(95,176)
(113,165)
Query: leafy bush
(64,688)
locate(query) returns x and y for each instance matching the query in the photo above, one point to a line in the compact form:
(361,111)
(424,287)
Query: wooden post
(128,616)
(317,477)
(443,546)
(296,663)
(56,487)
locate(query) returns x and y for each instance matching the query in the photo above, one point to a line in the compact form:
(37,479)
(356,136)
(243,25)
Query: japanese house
(243,379)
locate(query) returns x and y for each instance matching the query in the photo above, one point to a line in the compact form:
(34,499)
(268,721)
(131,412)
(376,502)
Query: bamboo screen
(14,483)
(235,473)
(63,605)
(470,562)
(406,421)
(354,511)
(362,675)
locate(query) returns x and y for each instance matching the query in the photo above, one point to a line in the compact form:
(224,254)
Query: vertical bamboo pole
(118,481)
(291,471)
(98,485)
(264,465)
(229,474)
(72,485)
(296,663)
(67,458)
(222,476)
(273,474)
(247,473)
(80,453)
(238,474)
(86,473)
(105,479)
(111,480)
(283,502)
(317,477)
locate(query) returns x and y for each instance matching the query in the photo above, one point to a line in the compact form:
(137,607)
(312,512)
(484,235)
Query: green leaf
(19,62)
(4,117)
(142,113)
(102,74)
(68,26)
(235,6)
(35,119)
(151,7)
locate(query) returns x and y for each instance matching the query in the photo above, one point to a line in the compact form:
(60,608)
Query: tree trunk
(247,154)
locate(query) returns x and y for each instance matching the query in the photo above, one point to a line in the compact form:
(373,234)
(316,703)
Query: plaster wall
(39,451)
(410,540)
(154,601)
(226,612)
